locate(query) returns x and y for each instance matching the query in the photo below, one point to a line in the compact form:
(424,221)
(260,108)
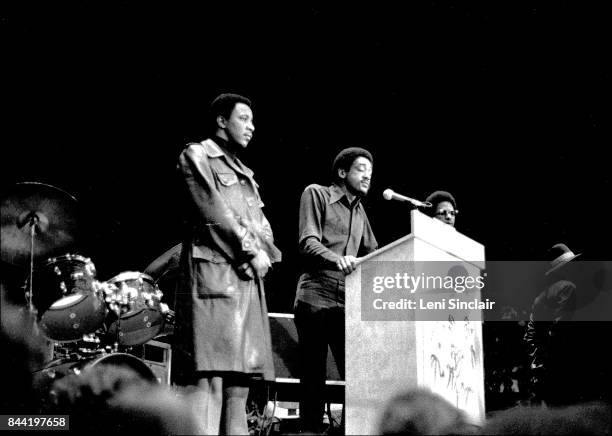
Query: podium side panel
(380,356)
(450,353)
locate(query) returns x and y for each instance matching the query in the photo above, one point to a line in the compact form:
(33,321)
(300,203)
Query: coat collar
(213,150)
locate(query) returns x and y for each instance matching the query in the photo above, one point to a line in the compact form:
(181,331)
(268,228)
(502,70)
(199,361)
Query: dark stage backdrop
(506,106)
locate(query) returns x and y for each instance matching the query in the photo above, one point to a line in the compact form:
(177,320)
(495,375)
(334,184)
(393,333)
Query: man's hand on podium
(347,264)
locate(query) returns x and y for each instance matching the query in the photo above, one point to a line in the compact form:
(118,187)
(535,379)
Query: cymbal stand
(33,223)
(116,344)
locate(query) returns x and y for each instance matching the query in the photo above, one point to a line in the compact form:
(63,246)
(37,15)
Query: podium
(386,356)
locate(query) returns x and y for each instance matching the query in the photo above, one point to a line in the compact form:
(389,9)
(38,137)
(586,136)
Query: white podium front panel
(384,358)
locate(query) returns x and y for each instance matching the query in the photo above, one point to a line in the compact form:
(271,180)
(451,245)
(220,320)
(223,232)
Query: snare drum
(68,298)
(136,314)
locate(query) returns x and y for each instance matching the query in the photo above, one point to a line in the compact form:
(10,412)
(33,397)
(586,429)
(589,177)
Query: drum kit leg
(88,320)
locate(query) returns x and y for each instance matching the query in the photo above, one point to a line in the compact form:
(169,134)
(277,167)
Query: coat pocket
(231,190)
(206,253)
(227,179)
(215,280)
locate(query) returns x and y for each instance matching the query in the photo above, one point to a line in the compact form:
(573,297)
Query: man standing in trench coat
(222,330)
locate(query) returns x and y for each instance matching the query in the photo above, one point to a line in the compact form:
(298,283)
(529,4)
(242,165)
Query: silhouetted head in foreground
(107,399)
(421,412)
(583,419)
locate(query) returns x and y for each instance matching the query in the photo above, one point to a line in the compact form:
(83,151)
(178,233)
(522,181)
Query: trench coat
(221,318)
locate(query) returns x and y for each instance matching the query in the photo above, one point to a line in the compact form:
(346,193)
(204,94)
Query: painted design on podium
(452,372)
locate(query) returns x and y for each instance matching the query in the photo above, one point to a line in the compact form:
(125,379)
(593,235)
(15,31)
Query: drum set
(88,321)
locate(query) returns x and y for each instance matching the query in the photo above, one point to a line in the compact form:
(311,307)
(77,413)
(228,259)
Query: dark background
(505,104)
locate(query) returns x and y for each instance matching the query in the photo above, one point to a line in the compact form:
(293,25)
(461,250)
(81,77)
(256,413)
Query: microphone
(388,194)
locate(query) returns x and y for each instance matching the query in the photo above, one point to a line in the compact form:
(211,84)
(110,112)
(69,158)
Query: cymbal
(52,212)
(168,262)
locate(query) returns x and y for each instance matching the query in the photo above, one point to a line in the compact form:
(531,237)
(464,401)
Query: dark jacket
(551,340)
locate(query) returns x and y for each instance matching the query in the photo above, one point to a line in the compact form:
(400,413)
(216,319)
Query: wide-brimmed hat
(560,254)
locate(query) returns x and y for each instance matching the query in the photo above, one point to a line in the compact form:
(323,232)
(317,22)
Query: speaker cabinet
(157,356)
(285,354)
(285,348)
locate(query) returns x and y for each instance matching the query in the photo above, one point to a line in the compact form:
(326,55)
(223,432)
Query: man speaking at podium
(333,231)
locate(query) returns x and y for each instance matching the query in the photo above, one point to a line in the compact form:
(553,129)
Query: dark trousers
(317,328)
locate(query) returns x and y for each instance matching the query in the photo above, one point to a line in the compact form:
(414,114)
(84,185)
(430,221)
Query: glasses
(447,212)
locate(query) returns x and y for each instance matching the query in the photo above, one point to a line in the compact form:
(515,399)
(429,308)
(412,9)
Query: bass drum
(57,370)
(127,361)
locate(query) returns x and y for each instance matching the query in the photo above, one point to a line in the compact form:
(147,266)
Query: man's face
(239,127)
(445,212)
(357,179)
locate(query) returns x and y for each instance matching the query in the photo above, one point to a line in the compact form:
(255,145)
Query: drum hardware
(92,338)
(33,221)
(168,313)
(77,365)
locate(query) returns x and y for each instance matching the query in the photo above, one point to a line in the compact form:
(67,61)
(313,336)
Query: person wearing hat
(443,207)
(550,337)
(333,231)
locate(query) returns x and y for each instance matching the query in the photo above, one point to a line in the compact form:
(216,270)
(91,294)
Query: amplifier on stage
(285,349)
(286,358)
(158,356)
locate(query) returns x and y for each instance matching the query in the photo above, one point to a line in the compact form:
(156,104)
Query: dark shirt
(330,227)
(224,145)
